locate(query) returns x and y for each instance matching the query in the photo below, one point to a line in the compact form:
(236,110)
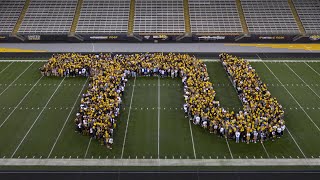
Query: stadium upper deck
(159,19)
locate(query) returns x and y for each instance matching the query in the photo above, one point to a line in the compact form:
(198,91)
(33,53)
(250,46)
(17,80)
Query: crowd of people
(100,105)
(262,115)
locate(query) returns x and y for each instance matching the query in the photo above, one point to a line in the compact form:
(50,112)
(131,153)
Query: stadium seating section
(160,16)
(218,16)
(104,16)
(309,13)
(49,16)
(269,16)
(9,14)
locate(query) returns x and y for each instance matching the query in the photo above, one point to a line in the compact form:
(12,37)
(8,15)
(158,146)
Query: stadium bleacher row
(159,16)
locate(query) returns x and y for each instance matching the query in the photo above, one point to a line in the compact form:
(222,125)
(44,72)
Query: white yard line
(6,67)
(36,119)
(296,143)
(65,122)
(125,134)
(265,150)
(16,79)
(161,162)
(20,102)
(159,117)
(302,80)
(85,155)
(312,69)
(229,148)
(293,97)
(194,150)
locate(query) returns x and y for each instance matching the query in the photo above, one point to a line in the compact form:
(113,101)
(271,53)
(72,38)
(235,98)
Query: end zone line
(36,119)
(16,79)
(6,67)
(125,134)
(20,102)
(65,122)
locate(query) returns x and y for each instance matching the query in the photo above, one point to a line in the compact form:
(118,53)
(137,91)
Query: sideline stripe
(125,134)
(6,67)
(16,79)
(37,119)
(20,102)
(160,162)
(65,122)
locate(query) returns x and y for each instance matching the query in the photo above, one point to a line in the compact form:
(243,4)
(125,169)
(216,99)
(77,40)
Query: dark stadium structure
(160,20)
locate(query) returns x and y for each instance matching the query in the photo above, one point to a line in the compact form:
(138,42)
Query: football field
(37,116)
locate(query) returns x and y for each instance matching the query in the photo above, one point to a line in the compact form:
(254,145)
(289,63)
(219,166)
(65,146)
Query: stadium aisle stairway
(19,22)
(242,17)
(131,16)
(296,17)
(186,16)
(76,17)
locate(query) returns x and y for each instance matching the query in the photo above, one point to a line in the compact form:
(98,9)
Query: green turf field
(37,116)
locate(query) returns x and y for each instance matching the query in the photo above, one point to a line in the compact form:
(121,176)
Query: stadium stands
(309,13)
(214,16)
(269,17)
(79,19)
(104,16)
(159,16)
(9,14)
(48,16)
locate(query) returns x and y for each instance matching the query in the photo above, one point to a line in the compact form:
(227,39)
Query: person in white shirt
(237,136)
(221,132)
(255,136)
(279,130)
